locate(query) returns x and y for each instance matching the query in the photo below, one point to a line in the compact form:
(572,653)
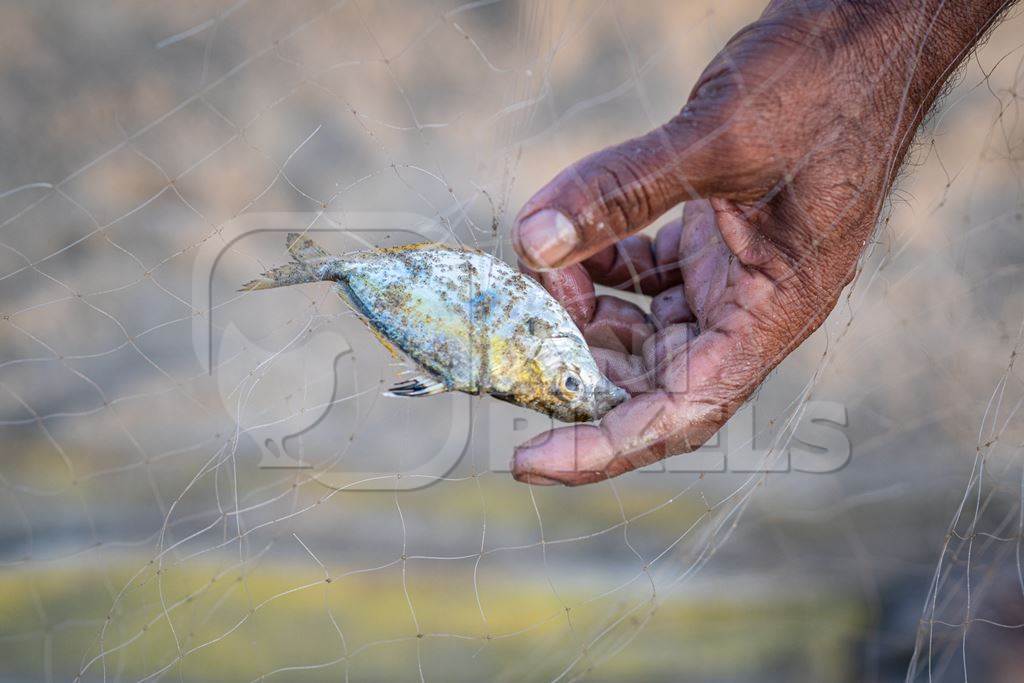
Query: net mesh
(200,484)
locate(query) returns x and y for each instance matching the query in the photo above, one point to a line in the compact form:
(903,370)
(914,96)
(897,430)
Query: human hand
(784,153)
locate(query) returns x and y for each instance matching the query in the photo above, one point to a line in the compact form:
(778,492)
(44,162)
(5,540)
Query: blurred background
(199,485)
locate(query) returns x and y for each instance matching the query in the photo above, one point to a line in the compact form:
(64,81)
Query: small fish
(470,321)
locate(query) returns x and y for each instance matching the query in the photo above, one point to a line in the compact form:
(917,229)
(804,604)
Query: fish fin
(305,250)
(282,276)
(307,259)
(417,386)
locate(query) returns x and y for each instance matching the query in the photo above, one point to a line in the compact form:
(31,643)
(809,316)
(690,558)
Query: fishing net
(202,484)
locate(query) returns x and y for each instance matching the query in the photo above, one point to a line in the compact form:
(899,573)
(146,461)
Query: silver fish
(470,321)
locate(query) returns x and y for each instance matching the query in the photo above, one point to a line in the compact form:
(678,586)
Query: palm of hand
(720,290)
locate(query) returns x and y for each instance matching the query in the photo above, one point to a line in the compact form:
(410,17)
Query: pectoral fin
(417,386)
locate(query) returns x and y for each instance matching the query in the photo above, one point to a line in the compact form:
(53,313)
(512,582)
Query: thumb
(713,147)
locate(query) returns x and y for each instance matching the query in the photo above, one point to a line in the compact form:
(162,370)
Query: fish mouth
(606,396)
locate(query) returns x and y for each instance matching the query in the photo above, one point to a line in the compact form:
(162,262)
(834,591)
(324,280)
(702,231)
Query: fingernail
(547,237)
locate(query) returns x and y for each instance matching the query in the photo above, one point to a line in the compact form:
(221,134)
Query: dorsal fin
(304,250)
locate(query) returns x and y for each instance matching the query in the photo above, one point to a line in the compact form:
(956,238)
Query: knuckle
(736,132)
(625,190)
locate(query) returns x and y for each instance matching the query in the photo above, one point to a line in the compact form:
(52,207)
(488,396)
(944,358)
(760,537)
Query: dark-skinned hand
(784,155)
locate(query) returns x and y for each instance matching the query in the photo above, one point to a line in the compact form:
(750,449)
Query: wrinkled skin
(784,155)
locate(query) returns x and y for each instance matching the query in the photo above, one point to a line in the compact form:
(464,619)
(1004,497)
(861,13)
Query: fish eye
(571,382)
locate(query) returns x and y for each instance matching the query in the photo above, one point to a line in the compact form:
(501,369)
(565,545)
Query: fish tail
(308,259)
